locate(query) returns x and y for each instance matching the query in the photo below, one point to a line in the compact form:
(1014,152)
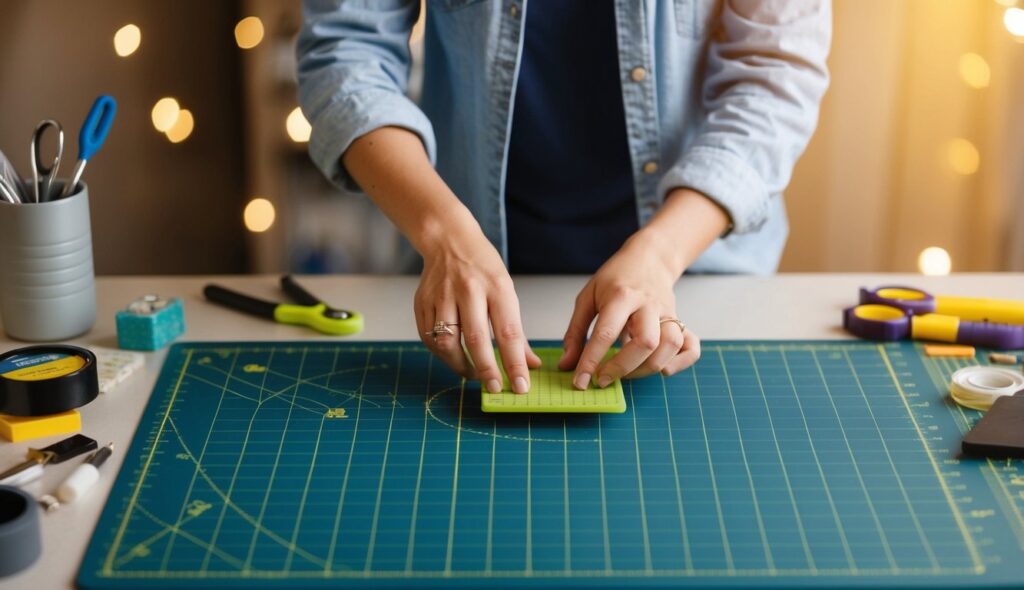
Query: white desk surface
(780,307)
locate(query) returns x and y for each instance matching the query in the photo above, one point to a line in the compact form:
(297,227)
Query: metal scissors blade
(42,176)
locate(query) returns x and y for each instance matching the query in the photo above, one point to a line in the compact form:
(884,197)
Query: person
(632,140)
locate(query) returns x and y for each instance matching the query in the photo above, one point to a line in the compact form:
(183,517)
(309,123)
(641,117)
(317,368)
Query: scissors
(91,137)
(42,176)
(310,311)
(895,313)
(917,302)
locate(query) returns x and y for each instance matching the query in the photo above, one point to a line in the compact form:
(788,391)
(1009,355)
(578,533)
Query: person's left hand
(630,295)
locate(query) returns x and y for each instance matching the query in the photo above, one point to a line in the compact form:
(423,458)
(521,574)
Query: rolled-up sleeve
(764,78)
(353,67)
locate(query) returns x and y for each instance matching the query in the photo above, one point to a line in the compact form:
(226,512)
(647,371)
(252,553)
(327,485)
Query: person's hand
(632,297)
(464,282)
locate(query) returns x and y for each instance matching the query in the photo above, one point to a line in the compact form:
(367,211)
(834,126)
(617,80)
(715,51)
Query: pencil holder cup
(47,291)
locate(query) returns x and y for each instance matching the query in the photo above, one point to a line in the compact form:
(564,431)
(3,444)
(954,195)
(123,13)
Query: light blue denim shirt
(721,96)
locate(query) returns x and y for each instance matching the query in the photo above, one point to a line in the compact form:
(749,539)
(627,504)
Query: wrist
(653,245)
(438,230)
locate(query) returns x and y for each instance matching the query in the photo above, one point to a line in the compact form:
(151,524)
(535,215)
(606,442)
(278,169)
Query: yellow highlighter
(307,310)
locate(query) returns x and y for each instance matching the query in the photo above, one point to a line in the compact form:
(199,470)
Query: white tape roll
(978,387)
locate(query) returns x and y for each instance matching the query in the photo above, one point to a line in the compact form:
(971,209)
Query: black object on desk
(1000,432)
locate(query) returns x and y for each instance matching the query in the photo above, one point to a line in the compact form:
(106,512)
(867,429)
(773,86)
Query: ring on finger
(442,328)
(682,326)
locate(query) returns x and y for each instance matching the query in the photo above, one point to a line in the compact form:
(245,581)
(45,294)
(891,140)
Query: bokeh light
(1013,18)
(165,113)
(297,126)
(249,32)
(182,127)
(934,261)
(259,215)
(127,40)
(974,70)
(962,156)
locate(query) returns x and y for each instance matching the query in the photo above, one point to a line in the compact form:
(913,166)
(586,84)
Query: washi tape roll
(46,379)
(978,387)
(20,537)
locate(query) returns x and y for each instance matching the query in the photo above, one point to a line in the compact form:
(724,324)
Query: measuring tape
(978,387)
(47,379)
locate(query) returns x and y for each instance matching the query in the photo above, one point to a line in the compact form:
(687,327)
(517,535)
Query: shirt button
(638,74)
(650,209)
(650,167)
(513,10)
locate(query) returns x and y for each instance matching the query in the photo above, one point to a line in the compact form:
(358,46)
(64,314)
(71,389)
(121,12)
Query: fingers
(645,338)
(686,357)
(672,340)
(576,335)
(609,325)
(448,347)
(508,331)
(476,333)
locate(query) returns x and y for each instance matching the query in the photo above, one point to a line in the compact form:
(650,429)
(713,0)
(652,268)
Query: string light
(249,32)
(962,156)
(182,128)
(259,215)
(297,126)
(974,70)
(1013,18)
(127,40)
(934,261)
(165,113)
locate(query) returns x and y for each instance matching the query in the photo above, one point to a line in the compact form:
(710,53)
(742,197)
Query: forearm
(392,167)
(685,225)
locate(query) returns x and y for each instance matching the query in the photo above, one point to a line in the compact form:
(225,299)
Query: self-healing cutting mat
(371,465)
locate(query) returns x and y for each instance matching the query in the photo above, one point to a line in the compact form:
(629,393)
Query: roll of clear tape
(979,386)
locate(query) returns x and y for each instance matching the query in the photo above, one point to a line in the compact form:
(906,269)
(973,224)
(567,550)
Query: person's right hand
(465,282)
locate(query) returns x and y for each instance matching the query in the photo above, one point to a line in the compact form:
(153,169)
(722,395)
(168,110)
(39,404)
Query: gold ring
(675,321)
(441,328)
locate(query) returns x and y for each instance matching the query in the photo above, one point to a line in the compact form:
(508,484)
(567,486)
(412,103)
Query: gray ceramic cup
(47,290)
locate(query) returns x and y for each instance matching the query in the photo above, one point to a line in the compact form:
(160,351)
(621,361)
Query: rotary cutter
(895,313)
(308,311)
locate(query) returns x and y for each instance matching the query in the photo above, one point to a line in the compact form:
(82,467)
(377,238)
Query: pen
(84,476)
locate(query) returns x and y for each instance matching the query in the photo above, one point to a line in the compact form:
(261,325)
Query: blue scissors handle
(96,126)
(91,137)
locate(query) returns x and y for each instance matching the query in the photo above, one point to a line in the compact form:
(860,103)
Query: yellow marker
(21,428)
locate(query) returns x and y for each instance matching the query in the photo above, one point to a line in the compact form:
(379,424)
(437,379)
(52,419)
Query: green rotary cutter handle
(307,310)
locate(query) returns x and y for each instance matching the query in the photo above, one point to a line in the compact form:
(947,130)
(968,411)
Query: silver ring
(675,321)
(441,328)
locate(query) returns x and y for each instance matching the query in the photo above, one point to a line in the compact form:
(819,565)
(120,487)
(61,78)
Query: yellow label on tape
(40,367)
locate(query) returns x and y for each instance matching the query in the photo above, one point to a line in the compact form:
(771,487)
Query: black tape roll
(20,537)
(49,395)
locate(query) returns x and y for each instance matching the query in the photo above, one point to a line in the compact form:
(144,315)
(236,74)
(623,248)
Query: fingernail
(582,381)
(603,381)
(520,385)
(494,386)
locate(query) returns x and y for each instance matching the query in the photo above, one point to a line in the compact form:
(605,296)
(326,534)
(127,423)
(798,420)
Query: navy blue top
(569,190)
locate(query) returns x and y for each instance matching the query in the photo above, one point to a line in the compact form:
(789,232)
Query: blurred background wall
(918,163)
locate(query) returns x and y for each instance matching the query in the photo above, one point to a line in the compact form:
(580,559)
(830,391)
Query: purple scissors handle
(877,322)
(911,300)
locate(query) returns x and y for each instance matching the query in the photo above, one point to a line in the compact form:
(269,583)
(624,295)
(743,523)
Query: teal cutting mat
(370,465)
